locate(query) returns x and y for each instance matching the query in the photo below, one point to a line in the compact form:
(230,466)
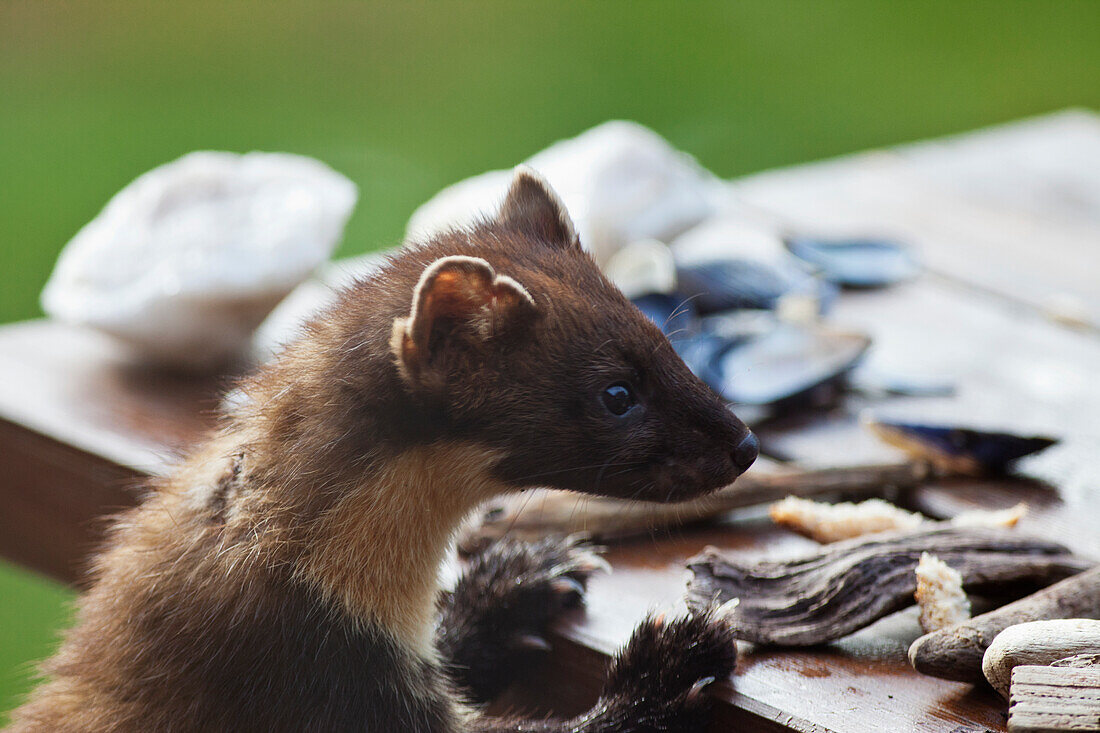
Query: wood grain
(845,586)
(1049,699)
(1039,643)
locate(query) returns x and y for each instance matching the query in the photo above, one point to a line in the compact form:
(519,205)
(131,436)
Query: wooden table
(1007,221)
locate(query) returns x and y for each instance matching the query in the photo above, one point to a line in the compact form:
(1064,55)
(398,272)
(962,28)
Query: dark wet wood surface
(1009,223)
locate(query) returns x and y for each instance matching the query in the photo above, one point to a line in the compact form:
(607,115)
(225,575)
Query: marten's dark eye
(619,399)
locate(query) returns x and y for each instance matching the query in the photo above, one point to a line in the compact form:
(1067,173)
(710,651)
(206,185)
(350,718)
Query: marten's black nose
(746,452)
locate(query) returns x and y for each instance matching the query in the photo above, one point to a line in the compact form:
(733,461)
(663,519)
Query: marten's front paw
(496,618)
(657,681)
(518,588)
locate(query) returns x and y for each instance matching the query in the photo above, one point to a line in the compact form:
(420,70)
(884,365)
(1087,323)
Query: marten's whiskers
(602,466)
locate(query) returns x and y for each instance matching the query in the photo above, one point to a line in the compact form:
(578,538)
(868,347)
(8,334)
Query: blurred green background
(407,97)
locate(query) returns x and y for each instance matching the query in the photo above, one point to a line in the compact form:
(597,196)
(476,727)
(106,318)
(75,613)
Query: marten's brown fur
(285,576)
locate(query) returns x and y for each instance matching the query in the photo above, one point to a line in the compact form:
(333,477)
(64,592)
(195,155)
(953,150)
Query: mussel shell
(960,450)
(734,283)
(860,263)
(878,383)
(750,359)
(702,352)
(785,363)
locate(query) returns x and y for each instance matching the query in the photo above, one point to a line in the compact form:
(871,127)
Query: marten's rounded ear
(456,297)
(534,207)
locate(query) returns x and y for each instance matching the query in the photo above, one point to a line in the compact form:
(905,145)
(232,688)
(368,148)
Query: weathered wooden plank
(1014,211)
(1013,370)
(79,428)
(1048,699)
(54,500)
(1047,166)
(80,388)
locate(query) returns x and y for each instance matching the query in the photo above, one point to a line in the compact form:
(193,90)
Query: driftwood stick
(848,585)
(956,653)
(1048,699)
(1037,643)
(537,513)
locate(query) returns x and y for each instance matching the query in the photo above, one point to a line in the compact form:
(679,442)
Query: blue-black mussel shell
(857,263)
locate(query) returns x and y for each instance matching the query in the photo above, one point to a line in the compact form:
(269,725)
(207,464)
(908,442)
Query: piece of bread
(991,518)
(826,522)
(940,594)
(832,522)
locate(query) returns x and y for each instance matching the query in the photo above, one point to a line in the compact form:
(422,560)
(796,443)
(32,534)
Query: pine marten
(285,576)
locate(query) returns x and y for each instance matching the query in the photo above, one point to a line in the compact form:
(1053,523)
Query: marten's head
(515,340)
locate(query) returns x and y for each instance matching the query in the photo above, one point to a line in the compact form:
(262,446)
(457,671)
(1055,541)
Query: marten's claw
(532,642)
(699,687)
(582,555)
(587,561)
(570,590)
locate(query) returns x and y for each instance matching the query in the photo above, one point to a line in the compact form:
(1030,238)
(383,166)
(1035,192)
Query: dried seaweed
(848,585)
